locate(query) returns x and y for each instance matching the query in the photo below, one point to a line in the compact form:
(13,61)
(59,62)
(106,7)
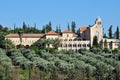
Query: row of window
(72,40)
(75,45)
(18,41)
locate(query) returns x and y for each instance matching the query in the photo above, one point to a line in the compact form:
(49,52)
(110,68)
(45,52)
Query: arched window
(67,35)
(70,39)
(70,45)
(96,34)
(79,45)
(65,40)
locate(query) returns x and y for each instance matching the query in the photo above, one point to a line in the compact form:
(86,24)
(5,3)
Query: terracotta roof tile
(83,28)
(25,35)
(51,33)
(67,31)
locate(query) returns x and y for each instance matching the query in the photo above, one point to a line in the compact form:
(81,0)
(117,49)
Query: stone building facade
(69,40)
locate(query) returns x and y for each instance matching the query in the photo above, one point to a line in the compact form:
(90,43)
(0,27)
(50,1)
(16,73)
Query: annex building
(69,40)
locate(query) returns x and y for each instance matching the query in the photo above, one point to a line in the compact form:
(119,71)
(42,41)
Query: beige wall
(51,36)
(74,45)
(25,41)
(96,30)
(112,43)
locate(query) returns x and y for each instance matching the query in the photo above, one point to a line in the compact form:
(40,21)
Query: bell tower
(96,30)
(98,22)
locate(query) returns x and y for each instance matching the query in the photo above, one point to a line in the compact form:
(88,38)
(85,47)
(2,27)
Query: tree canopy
(110,32)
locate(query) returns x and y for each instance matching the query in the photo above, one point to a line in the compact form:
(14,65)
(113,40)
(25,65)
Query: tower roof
(98,19)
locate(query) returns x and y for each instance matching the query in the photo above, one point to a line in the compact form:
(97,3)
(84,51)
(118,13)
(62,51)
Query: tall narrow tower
(96,30)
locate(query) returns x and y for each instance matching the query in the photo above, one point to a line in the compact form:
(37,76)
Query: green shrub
(35,48)
(96,50)
(115,51)
(106,50)
(82,50)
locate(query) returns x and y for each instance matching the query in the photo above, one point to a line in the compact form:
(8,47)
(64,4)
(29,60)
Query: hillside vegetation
(62,65)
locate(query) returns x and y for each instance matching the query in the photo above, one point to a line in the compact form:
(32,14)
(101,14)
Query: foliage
(35,48)
(8,44)
(56,43)
(73,26)
(95,41)
(68,26)
(67,66)
(20,46)
(115,50)
(47,28)
(2,38)
(105,44)
(96,50)
(110,32)
(82,50)
(117,33)
(57,30)
(106,50)
(26,29)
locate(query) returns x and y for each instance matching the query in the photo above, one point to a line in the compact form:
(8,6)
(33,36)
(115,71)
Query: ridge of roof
(25,35)
(51,33)
(83,28)
(67,31)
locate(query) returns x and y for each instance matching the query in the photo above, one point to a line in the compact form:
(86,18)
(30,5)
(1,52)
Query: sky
(59,12)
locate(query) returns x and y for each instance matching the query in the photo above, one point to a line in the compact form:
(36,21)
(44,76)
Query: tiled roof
(67,31)
(51,33)
(83,28)
(25,35)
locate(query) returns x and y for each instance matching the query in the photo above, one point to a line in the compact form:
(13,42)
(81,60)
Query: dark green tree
(110,32)
(8,44)
(14,28)
(43,29)
(57,30)
(104,36)
(117,33)
(73,26)
(1,27)
(56,43)
(2,38)
(95,41)
(24,26)
(105,44)
(20,33)
(68,26)
(47,28)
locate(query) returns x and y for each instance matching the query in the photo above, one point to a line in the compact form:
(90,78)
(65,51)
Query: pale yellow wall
(51,36)
(82,43)
(71,39)
(96,28)
(115,43)
(25,41)
(87,34)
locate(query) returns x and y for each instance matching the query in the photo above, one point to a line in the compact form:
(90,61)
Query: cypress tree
(73,26)
(95,41)
(57,30)
(117,33)
(68,26)
(110,32)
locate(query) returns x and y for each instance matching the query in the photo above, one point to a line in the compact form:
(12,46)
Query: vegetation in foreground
(25,64)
